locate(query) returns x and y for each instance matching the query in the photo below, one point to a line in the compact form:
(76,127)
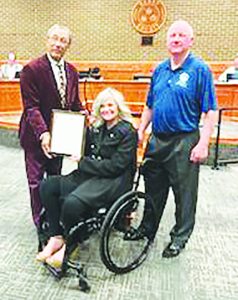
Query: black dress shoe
(172,250)
(134,234)
(42,238)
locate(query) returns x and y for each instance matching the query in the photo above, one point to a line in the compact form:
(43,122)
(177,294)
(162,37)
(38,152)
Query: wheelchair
(118,251)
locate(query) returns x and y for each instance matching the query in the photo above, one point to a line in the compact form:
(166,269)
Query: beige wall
(102,28)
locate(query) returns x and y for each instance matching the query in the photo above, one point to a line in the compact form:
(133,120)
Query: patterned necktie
(62,87)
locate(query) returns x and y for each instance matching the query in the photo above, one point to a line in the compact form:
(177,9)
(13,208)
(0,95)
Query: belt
(172,134)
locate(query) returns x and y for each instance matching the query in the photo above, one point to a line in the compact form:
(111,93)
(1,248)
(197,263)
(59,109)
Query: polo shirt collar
(184,65)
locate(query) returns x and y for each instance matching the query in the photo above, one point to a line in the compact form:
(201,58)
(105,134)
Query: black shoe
(172,250)
(140,233)
(42,238)
(43,230)
(134,234)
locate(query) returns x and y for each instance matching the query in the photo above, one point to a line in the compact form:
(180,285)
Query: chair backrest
(17,75)
(233,76)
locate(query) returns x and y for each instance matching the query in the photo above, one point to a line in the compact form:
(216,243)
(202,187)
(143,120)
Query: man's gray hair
(56,26)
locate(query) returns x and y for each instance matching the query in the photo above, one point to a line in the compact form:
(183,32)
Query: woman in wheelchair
(104,173)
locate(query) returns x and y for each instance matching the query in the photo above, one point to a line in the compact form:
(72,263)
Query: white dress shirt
(55,68)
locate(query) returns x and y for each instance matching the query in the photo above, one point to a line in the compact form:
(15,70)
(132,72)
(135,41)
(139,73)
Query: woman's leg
(52,192)
(74,210)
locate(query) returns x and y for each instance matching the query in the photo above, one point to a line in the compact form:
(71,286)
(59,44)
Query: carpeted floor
(206,270)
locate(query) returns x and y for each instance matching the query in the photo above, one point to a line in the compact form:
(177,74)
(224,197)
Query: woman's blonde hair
(118,98)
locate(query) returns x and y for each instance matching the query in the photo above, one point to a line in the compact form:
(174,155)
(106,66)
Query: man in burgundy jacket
(41,81)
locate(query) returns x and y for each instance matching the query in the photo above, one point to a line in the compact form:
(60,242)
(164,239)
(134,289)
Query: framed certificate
(68,130)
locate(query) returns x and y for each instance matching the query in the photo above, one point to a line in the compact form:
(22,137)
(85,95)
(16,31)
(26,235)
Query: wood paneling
(227,94)
(134,91)
(125,70)
(10,97)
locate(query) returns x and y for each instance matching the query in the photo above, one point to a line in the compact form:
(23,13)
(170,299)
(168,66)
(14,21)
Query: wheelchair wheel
(119,254)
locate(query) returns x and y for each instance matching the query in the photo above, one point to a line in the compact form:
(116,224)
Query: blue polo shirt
(178,97)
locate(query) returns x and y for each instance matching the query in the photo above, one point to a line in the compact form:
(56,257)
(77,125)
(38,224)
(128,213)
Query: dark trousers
(167,165)
(64,208)
(38,166)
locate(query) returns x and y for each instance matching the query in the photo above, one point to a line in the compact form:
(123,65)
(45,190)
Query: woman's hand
(91,120)
(75,158)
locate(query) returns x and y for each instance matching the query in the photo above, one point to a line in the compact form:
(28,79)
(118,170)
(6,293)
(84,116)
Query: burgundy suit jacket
(40,96)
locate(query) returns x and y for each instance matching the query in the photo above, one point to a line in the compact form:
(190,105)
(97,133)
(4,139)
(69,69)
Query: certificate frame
(68,133)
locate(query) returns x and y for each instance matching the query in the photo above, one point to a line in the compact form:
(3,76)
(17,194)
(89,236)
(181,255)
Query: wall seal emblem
(148,16)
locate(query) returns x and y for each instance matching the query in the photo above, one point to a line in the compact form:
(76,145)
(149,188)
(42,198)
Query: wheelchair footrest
(57,273)
(84,285)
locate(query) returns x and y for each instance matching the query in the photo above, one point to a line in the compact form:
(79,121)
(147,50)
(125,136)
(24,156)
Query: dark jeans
(167,165)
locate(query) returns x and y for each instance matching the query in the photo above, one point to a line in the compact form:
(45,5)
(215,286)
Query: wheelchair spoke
(118,251)
(123,252)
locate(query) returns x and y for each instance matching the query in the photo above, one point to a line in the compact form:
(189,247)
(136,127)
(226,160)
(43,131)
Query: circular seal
(148,16)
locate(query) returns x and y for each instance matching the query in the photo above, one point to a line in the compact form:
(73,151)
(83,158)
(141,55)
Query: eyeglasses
(56,38)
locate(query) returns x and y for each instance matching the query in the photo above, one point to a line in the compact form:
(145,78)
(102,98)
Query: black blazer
(110,153)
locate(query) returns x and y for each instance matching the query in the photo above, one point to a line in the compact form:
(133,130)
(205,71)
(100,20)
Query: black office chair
(233,76)
(17,75)
(91,73)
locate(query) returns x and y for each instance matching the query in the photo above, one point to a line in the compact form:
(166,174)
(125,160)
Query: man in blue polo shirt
(181,90)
